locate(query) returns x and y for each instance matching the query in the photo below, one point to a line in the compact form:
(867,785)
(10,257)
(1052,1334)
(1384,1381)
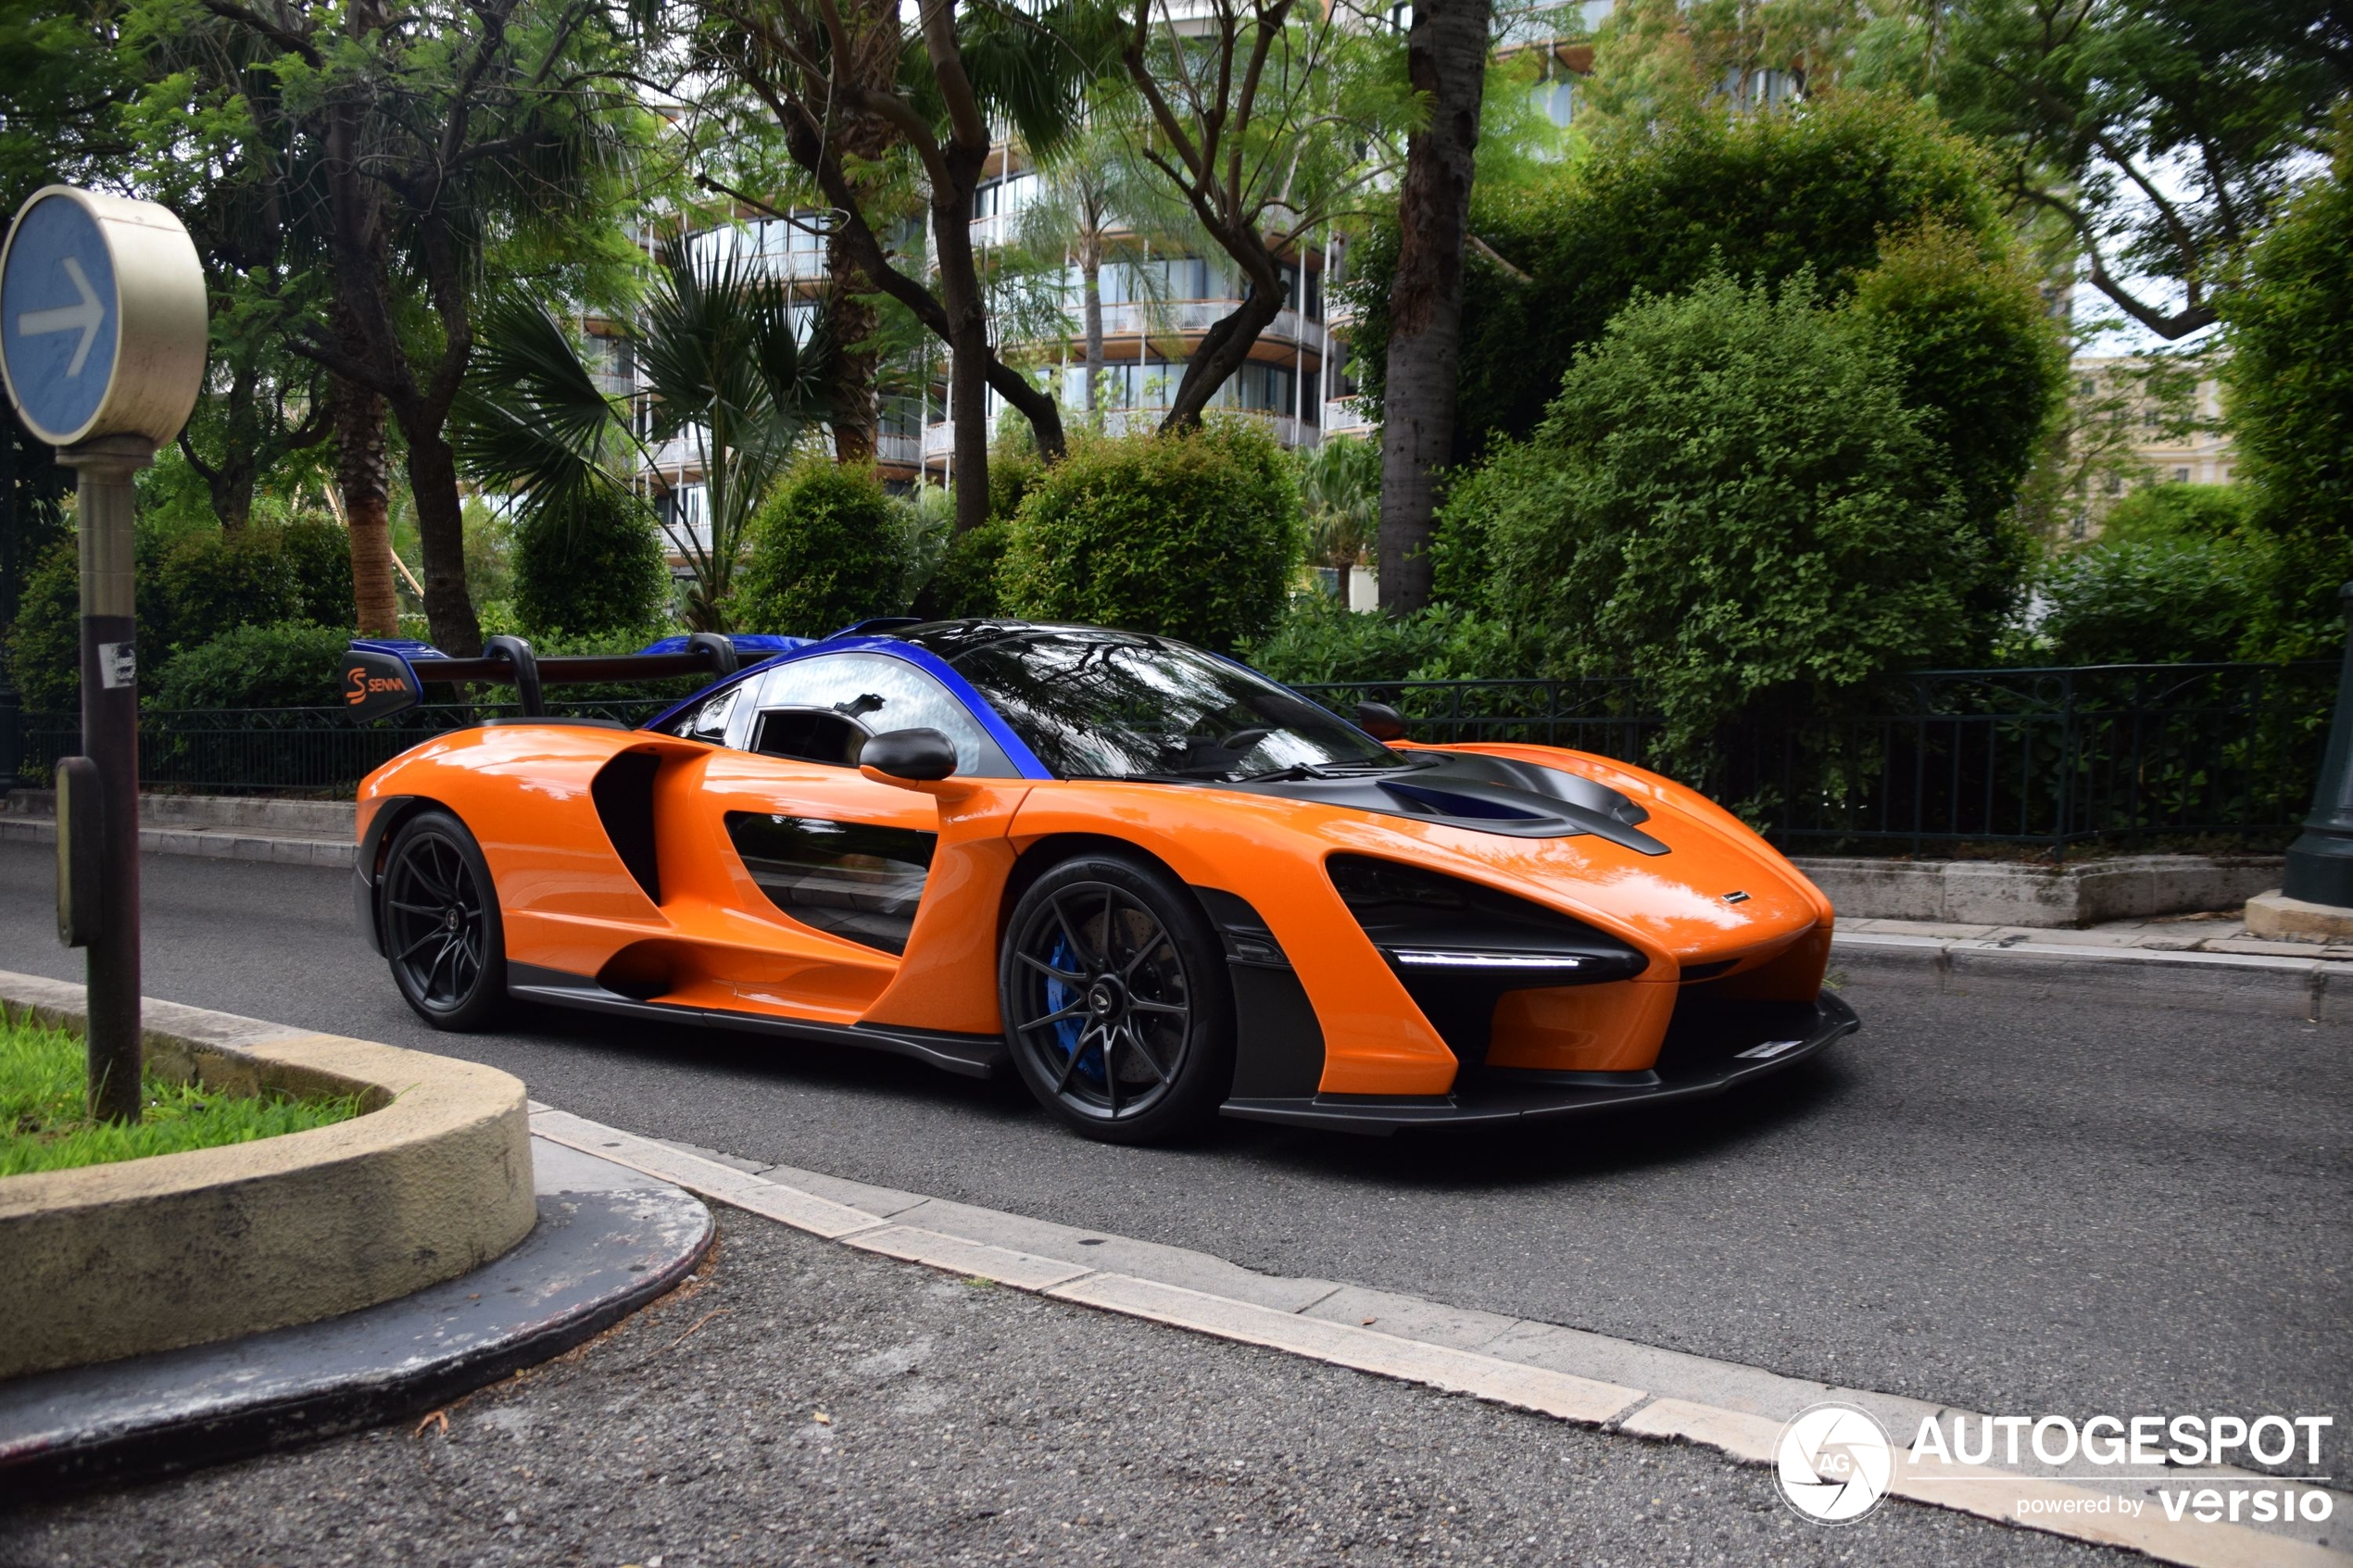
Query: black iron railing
(2045,758)
(2048,757)
(271,750)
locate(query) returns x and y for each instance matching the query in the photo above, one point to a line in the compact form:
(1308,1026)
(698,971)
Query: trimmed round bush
(827,549)
(1193,535)
(288,664)
(588,566)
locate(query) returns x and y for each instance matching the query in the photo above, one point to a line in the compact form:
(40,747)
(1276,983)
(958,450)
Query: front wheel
(1116,1005)
(439,915)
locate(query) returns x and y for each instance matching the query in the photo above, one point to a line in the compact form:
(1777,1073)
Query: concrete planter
(2085,893)
(112,1260)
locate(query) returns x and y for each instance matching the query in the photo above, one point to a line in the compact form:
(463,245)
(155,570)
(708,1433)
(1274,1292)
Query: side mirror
(1380,721)
(909,756)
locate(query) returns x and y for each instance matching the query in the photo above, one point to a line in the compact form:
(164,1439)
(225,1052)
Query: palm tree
(726,374)
(1095,205)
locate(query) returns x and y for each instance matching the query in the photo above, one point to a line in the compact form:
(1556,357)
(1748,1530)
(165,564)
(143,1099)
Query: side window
(708,719)
(822,709)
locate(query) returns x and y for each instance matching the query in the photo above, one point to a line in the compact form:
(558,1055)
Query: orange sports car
(1157,883)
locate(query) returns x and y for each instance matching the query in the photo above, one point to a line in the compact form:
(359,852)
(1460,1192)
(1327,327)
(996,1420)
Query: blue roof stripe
(1016,752)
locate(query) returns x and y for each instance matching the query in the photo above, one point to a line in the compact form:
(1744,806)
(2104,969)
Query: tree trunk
(432,484)
(968,353)
(862,141)
(1091,272)
(363,476)
(1446,60)
(1223,351)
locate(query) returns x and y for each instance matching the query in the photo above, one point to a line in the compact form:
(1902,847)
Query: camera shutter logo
(1833,1462)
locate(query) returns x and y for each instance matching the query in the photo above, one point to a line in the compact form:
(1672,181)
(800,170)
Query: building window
(2181,476)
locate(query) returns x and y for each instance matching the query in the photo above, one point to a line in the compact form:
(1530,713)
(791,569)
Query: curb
(609,1240)
(2315,990)
(285,849)
(1593,1380)
(431,1181)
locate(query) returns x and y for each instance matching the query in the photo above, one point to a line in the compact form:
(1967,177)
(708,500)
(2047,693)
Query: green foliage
(1732,501)
(1983,363)
(2148,602)
(827,549)
(1194,535)
(1319,639)
(286,664)
(965,582)
(2289,389)
(46,1124)
(1759,196)
(2163,514)
(589,563)
(1340,481)
(1014,472)
(215,580)
(318,551)
(45,645)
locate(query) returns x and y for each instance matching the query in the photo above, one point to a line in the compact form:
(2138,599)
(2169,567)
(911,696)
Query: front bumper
(1707,1053)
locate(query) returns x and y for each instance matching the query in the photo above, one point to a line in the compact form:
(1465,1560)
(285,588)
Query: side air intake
(1459,947)
(623,790)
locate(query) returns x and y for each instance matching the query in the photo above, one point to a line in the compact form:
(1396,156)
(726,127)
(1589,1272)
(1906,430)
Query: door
(819,871)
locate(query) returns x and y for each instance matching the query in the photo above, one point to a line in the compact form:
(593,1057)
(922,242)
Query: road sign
(101,318)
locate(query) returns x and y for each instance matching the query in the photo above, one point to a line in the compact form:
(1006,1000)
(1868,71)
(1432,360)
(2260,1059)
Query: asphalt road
(968,1425)
(2074,1206)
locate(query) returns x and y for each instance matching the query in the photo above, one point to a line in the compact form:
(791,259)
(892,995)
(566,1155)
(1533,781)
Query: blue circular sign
(60,316)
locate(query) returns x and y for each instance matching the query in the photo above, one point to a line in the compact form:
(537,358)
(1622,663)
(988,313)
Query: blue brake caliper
(1060,994)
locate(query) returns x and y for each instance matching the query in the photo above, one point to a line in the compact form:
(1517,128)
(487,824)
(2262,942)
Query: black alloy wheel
(439,915)
(1117,1004)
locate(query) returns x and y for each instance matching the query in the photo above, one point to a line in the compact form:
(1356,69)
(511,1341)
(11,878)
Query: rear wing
(382,677)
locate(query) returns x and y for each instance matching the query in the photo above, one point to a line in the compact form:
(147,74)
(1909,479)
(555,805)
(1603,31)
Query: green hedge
(1194,535)
(828,549)
(1732,501)
(290,664)
(592,565)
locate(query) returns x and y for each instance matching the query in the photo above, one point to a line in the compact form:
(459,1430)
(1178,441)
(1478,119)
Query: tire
(1133,1043)
(438,911)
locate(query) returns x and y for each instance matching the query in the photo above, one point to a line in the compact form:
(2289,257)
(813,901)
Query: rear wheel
(1116,1005)
(439,914)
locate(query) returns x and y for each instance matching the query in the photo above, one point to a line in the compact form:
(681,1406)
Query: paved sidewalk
(2217,931)
(805,1404)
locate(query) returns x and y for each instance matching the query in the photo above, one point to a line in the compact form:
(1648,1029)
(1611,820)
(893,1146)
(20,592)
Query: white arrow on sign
(85,317)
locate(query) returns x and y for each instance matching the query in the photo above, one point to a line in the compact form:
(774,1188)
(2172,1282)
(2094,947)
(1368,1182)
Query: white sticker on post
(118,665)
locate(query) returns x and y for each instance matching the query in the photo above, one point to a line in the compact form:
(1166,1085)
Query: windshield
(1106,705)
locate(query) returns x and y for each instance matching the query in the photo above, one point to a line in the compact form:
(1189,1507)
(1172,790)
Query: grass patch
(45,1123)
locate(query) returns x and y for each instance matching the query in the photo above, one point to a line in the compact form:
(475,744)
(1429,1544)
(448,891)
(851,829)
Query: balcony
(1345,416)
(1190,318)
(939,439)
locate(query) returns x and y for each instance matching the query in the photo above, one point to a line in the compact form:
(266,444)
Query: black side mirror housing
(922,756)
(1380,721)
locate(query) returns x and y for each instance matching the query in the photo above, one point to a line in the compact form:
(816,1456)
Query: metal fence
(2046,758)
(318,751)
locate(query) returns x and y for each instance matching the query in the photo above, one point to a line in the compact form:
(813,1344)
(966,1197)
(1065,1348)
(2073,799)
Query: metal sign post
(101,348)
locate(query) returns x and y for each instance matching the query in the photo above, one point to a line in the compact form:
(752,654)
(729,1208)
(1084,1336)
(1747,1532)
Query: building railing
(2046,759)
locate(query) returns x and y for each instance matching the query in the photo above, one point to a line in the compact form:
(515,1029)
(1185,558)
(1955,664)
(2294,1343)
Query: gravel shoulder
(965,1424)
